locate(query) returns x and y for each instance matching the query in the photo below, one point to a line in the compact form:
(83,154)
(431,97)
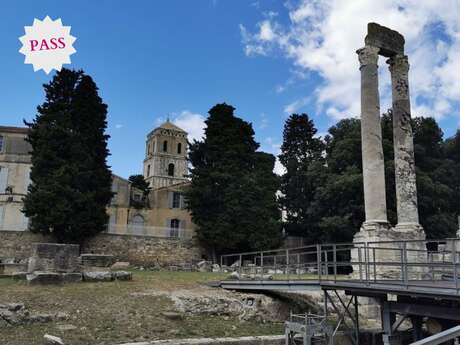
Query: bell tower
(165,160)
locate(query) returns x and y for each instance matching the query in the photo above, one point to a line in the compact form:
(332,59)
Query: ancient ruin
(388,43)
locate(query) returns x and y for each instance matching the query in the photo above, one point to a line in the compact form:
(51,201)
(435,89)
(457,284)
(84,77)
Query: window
(165,146)
(136,225)
(179,148)
(171,169)
(148,170)
(174,231)
(1,143)
(137,220)
(176,200)
(153,147)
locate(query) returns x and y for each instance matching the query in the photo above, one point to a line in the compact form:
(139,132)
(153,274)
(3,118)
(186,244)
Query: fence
(432,263)
(151,231)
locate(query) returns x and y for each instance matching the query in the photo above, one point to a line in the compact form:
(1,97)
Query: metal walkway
(409,280)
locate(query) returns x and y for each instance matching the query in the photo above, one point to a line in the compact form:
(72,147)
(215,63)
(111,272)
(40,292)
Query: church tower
(165,160)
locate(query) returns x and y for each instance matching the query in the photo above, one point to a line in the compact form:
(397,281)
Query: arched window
(165,146)
(137,220)
(148,170)
(1,143)
(179,148)
(171,169)
(136,225)
(153,147)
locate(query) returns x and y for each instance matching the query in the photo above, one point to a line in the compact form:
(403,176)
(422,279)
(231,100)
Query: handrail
(406,263)
(448,334)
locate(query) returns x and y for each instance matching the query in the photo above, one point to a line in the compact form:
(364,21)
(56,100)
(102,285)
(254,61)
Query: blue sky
(266,58)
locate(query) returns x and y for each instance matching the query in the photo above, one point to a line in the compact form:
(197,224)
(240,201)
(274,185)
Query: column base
(410,231)
(374,231)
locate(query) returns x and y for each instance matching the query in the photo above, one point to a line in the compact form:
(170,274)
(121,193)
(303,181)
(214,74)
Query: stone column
(371,136)
(406,189)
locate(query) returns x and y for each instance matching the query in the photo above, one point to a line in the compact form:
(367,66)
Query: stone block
(96,260)
(73,277)
(389,41)
(19,276)
(122,275)
(97,276)
(120,264)
(43,278)
(11,268)
(52,340)
(54,257)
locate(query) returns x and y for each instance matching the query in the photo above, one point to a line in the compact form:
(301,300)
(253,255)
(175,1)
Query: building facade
(15,167)
(161,213)
(165,162)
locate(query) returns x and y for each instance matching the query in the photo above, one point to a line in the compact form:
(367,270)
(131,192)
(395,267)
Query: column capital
(368,55)
(398,64)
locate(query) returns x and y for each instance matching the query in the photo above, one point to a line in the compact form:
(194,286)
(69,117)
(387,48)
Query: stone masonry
(389,43)
(138,250)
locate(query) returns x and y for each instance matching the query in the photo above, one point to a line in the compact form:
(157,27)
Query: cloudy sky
(176,59)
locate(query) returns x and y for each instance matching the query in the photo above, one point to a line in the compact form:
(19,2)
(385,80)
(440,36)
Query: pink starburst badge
(47,44)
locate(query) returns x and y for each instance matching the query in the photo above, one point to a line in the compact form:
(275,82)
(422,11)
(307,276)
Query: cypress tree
(302,156)
(232,192)
(70,179)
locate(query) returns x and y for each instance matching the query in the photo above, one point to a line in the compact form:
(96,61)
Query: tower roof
(169,125)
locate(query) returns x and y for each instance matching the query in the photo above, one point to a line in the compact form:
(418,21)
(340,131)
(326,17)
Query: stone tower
(165,160)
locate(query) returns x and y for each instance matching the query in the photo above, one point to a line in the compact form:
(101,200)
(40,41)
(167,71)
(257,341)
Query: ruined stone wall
(138,250)
(18,244)
(145,251)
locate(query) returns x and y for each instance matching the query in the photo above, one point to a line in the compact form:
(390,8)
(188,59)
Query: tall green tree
(438,181)
(71,181)
(302,156)
(232,192)
(339,201)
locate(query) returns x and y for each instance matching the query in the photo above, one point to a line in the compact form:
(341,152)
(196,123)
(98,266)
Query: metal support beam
(344,313)
(448,313)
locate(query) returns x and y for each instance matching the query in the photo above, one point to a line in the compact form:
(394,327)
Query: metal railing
(430,263)
(149,231)
(441,337)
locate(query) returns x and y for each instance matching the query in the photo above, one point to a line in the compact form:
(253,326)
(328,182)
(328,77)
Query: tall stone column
(406,189)
(371,136)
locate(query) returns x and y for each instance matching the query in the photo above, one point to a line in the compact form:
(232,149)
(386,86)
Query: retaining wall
(138,250)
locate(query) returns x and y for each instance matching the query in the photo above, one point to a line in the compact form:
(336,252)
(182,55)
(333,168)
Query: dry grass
(105,313)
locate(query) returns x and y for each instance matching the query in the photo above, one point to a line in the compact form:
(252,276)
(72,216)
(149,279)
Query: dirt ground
(116,312)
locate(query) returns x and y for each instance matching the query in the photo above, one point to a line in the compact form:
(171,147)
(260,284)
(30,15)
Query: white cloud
(192,123)
(296,105)
(118,126)
(263,121)
(322,37)
(266,32)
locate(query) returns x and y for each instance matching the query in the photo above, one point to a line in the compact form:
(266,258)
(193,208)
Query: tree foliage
(335,205)
(302,156)
(70,180)
(232,194)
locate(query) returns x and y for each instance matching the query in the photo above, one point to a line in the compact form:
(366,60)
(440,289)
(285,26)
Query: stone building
(161,213)
(165,160)
(15,167)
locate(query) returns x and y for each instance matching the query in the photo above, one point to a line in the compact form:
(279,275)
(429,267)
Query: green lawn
(106,313)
